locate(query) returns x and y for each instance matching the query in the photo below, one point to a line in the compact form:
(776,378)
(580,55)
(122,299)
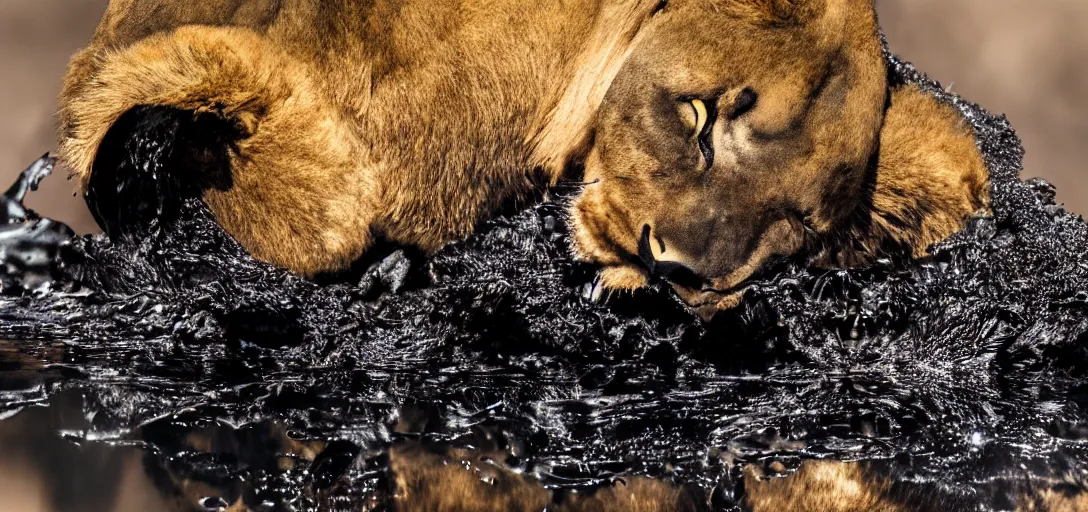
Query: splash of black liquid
(28,243)
(964,372)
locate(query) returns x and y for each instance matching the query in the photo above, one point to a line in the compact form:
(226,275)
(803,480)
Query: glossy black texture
(28,243)
(965,372)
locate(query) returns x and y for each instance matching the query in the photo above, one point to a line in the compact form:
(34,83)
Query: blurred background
(1024,58)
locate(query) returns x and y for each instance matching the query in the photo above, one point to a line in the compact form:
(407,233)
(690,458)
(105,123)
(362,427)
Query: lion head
(735,131)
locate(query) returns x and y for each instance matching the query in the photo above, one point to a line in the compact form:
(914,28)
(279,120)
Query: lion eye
(701,119)
(694,115)
(699,109)
(744,102)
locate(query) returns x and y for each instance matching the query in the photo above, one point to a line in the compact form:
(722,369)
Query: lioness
(712,135)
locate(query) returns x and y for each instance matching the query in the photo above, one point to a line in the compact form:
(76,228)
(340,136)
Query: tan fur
(412,121)
(365,118)
(929,178)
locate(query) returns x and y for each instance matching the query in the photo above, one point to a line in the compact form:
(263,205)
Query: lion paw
(615,279)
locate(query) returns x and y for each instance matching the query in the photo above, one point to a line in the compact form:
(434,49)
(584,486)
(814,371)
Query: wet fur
(363,120)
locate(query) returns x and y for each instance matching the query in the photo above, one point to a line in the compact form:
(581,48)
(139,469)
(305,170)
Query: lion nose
(671,271)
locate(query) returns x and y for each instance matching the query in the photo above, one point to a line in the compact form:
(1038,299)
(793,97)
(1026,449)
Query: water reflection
(47,466)
(51,459)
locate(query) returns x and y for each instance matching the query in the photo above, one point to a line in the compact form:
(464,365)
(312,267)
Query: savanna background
(1024,58)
